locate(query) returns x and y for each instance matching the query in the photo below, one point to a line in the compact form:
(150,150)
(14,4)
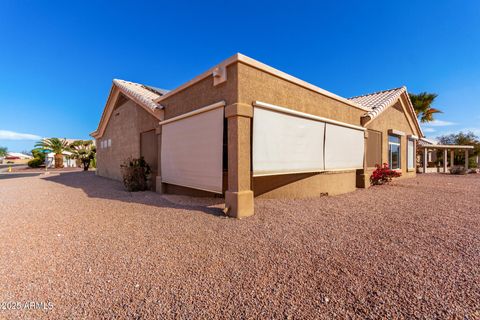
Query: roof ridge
(377,92)
(127,87)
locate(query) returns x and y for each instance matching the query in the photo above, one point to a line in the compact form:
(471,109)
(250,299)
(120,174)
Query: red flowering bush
(383,174)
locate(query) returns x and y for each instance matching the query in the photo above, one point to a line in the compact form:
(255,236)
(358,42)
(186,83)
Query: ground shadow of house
(99,187)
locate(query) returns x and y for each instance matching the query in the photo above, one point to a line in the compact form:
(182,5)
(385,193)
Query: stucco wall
(255,84)
(304,185)
(123,128)
(394,118)
(201,94)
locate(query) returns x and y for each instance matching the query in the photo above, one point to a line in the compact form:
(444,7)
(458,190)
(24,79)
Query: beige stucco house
(244,129)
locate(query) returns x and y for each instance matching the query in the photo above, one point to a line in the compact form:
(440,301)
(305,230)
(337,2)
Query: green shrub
(135,173)
(35,163)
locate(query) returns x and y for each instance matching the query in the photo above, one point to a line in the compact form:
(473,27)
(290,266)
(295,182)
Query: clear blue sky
(57,58)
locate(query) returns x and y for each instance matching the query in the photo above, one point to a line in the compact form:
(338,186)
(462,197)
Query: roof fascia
(410,108)
(265,68)
(108,110)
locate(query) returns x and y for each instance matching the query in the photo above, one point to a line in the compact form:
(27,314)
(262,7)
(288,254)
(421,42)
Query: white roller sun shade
(411,154)
(191,154)
(284,143)
(344,147)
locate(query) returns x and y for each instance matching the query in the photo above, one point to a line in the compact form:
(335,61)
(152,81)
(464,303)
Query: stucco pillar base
(239,204)
(363,179)
(159,186)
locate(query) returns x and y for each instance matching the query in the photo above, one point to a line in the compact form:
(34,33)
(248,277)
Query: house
(18,156)
(243,129)
(68,162)
(15,157)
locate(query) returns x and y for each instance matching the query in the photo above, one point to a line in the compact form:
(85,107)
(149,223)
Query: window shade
(286,144)
(411,154)
(344,147)
(191,152)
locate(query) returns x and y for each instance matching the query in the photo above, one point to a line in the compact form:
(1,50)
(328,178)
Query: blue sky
(58,58)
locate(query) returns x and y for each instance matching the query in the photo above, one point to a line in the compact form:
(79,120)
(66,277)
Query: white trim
(272,107)
(195,112)
(446,146)
(412,137)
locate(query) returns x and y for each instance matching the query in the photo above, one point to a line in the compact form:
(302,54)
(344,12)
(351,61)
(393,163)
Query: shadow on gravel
(17,175)
(104,188)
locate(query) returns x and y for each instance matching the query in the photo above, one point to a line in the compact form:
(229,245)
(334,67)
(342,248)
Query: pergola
(425,147)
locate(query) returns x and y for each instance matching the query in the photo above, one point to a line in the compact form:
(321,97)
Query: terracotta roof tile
(140,93)
(378,101)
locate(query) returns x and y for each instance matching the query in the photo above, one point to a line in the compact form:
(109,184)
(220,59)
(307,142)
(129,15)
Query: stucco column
(445,159)
(159,186)
(239,196)
(425,160)
(452,158)
(362,180)
(466,159)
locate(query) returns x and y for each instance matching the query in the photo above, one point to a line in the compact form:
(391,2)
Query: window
(394,152)
(411,154)
(109,142)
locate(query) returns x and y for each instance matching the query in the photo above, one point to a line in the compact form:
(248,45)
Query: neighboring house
(243,129)
(16,158)
(68,162)
(18,155)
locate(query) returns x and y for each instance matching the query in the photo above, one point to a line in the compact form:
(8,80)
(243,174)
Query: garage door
(192,146)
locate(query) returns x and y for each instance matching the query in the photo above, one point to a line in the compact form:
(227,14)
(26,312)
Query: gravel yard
(409,250)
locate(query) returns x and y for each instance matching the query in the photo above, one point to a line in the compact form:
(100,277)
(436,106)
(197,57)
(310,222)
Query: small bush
(458,170)
(135,174)
(383,174)
(35,163)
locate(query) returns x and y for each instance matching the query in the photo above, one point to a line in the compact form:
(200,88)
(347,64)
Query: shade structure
(344,147)
(191,152)
(286,144)
(287,141)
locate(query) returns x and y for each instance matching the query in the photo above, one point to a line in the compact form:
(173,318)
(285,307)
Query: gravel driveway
(82,248)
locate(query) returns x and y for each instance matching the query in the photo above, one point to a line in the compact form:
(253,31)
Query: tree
(55,145)
(422,103)
(465,139)
(84,150)
(39,154)
(3,151)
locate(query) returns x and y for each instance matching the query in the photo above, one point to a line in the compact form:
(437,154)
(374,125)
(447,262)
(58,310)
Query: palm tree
(84,150)
(422,103)
(3,151)
(55,145)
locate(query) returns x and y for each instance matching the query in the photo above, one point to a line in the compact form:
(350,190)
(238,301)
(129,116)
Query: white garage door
(344,147)
(192,146)
(284,143)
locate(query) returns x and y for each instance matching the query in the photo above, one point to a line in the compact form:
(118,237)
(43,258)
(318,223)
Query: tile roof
(426,142)
(378,101)
(142,94)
